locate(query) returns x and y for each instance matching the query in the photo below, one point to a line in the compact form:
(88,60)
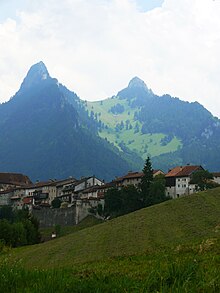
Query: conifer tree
(147,179)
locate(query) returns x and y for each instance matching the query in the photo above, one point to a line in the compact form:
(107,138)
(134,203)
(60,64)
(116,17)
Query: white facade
(182,187)
(88,182)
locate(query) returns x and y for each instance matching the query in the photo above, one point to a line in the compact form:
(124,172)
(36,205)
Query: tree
(19,234)
(147,179)
(56,203)
(6,232)
(157,190)
(123,201)
(6,212)
(203,180)
(131,199)
(20,230)
(113,202)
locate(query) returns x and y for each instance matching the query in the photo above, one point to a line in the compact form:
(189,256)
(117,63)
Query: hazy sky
(95,47)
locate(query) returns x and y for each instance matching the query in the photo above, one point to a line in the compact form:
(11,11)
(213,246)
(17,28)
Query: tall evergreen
(146,180)
(148,176)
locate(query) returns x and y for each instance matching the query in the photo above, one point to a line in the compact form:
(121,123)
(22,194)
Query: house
(17,198)
(75,190)
(133,178)
(13,180)
(97,191)
(178,181)
(62,184)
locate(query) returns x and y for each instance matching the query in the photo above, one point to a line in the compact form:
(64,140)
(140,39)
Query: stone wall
(51,217)
(65,216)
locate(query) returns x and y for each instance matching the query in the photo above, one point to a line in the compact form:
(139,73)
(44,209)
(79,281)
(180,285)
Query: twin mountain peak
(50,133)
(38,73)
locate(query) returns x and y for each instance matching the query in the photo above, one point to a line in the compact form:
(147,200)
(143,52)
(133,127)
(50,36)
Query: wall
(65,216)
(50,217)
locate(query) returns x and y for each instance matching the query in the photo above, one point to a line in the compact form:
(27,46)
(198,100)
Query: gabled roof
(182,171)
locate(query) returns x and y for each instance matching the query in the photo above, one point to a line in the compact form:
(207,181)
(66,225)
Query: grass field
(170,247)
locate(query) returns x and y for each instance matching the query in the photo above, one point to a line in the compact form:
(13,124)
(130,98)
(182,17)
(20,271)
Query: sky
(95,47)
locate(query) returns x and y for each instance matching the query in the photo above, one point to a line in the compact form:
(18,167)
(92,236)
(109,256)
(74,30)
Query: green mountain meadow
(171,131)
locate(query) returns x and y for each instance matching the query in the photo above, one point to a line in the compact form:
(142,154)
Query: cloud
(96,47)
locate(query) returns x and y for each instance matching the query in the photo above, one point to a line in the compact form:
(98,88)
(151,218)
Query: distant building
(13,180)
(73,191)
(133,178)
(178,181)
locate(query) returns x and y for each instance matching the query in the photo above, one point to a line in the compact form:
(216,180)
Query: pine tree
(147,179)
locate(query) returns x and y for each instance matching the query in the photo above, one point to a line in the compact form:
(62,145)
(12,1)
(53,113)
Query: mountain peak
(136,82)
(35,75)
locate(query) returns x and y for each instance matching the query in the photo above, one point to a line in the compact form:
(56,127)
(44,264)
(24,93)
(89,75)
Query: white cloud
(95,47)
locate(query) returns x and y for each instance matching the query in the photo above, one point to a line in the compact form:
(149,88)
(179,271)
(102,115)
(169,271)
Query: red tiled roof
(181,171)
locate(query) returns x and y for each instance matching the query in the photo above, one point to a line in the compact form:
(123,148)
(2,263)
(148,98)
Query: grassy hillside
(184,221)
(171,247)
(131,135)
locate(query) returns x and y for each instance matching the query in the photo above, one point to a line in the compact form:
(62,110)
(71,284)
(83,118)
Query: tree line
(130,198)
(18,227)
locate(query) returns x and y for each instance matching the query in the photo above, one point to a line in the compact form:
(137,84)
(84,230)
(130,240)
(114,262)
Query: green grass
(143,144)
(170,247)
(173,271)
(188,220)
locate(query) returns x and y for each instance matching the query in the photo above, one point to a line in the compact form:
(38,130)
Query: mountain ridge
(45,121)
(48,133)
(171,131)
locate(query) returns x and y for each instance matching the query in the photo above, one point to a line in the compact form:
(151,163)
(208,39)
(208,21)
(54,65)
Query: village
(18,191)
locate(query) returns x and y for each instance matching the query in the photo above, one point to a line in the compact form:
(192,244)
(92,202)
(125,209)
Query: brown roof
(129,176)
(181,171)
(14,178)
